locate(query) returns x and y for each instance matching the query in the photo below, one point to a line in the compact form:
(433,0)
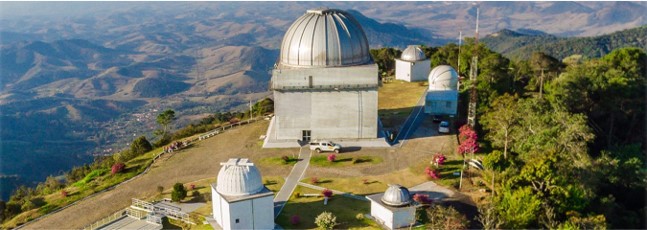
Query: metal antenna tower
(471,111)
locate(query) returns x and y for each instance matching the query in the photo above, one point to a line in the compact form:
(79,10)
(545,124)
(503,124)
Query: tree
(326,220)
(178,193)
(488,216)
(518,208)
(164,119)
(140,146)
(332,157)
(117,168)
(500,120)
(327,193)
(160,189)
(542,63)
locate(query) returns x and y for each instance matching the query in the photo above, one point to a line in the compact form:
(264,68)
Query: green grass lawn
(343,160)
(396,100)
(278,161)
(308,208)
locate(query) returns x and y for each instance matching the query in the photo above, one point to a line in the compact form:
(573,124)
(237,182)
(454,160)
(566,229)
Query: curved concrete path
(292,180)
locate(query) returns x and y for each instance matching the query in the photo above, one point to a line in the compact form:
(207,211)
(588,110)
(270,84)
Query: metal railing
(223,128)
(105,220)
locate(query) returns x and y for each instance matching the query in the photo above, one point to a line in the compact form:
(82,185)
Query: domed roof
(443,77)
(396,195)
(325,38)
(413,53)
(239,177)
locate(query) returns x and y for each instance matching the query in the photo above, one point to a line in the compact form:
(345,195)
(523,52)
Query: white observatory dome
(325,38)
(443,77)
(396,195)
(413,53)
(238,177)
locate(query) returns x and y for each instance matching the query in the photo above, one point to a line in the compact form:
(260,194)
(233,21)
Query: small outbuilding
(442,95)
(393,208)
(412,65)
(240,200)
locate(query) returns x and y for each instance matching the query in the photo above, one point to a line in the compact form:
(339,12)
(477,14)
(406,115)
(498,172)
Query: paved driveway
(292,180)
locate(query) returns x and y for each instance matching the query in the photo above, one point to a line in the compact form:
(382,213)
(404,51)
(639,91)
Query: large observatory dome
(443,77)
(324,38)
(239,177)
(396,195)
(412,54)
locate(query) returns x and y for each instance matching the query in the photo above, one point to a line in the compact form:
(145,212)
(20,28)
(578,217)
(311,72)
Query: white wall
(251,214)
(403,217)
(412,71)
(441,102)
(382,213)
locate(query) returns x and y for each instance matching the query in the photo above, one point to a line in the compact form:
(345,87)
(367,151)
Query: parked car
(325,146)
(443,127)
(437,118)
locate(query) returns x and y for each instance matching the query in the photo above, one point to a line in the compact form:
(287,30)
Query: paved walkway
(292,180)
(412,121)
(346,194)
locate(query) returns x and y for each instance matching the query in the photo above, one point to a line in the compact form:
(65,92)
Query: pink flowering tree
(468,140)
(332,157)
(117,168)
(439,159)
(327,193)
(432,173)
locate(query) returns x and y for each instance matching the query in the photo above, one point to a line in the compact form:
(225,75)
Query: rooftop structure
(412,65)
(443,77)
(393,208)
(413,53)
(324,38)
(239,177)
(442,95)
(396,195)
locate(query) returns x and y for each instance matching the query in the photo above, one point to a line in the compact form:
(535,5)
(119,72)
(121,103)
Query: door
(305,135)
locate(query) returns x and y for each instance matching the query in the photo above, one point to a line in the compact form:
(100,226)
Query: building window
(448,104)
(237,220)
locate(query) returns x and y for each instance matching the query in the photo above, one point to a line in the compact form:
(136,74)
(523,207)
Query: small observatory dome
(396,195)
(325,38)
(443,77)
(413,53)
(238,177)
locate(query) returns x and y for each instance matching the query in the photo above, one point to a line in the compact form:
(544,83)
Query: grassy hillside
(519,45)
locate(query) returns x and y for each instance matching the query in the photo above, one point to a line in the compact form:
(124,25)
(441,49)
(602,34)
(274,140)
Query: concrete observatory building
(442,95)
(412,65)
(325,83)
(393,208)
(240,200)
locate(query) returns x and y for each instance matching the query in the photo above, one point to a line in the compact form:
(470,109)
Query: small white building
(442,95)
(393,208)
(240,200)
(412,65)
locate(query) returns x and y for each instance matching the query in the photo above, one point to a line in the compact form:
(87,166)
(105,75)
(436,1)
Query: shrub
(432,174)
(295,219)
(326,220)
(421,198)
(297,195)
(332,157)
(140,146)
(359,216)
(195,193)
(160,189)
(63,193)
(314,180)
(445,218)
(439,159)
(192,186)
(285,159)
(365,181)
(117,168)
(327,193)
(179,192)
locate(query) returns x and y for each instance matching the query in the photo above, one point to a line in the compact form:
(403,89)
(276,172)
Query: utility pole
(458,59)
(471,111)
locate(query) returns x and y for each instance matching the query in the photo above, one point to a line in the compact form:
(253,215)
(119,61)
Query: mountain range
(83,79)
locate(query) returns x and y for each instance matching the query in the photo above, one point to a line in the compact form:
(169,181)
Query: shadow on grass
(168,225)
(324,181)
(344,159)
(362,160)
(351,149)
(270,182)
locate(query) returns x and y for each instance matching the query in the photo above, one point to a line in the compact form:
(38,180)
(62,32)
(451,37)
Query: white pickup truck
(324,146)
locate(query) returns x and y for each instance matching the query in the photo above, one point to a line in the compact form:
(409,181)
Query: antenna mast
(471,111)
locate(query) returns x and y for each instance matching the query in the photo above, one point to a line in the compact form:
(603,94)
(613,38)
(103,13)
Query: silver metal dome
(443,77)
(325,38)
(396,195)
(239,177)
(413,53)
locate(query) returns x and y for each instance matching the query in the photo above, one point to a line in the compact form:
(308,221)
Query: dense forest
(521,45)
(562,143)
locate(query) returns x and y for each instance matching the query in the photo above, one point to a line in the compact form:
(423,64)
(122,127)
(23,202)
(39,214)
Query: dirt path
(198,162)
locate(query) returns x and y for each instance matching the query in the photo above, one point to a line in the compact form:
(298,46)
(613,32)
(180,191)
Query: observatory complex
(240,200)
(412,65)
(442,95)
(325,82)
(393,208)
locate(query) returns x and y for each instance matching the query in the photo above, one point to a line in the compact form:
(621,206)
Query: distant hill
(520,45)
